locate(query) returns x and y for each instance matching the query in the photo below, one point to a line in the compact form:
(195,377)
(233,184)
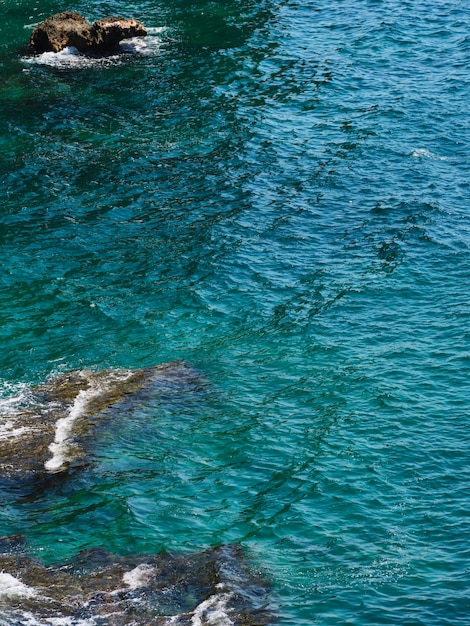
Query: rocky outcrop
(71,29)
(212,587)
(51,430)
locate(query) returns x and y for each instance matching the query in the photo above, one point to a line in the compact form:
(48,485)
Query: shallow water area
(277,193)
(212,587)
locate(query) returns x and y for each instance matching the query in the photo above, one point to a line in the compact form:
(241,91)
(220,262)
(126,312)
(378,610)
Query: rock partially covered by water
(212,587)
(49,430)
(71,29)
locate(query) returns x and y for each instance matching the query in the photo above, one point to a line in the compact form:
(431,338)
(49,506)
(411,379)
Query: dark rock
(71,29)
(51,432)
(216,586)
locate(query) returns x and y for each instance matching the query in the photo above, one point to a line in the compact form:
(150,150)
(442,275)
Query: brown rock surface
(216,586)
(51,433)
(71,29)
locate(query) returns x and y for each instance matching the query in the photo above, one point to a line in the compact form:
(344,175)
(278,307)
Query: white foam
(61,447)
(143,45)
(9,430)
(155,30)
(11,587)
(213,612)
(426,154)
(12,411)
(134,46)
(140,576)
(12,396)
(28,619)
(7,404)
(67,57)
(69,621)
(71,58)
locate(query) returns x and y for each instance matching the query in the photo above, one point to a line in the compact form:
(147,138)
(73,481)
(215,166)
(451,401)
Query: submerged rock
(212,587)
(71,29)
(50,433)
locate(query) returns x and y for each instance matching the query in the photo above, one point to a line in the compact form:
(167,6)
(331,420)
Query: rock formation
(211,587)
(50,431)
(71,29)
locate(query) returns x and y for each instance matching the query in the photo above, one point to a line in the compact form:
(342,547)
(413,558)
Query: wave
(62,446)
(420,153)
(11,587)
(71,58)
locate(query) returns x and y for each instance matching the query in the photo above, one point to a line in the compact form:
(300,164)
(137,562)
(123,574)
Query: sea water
(278,193)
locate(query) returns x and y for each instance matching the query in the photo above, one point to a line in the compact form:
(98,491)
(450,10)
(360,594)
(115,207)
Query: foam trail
(61,447)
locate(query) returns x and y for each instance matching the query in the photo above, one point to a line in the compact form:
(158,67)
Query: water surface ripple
(276,192)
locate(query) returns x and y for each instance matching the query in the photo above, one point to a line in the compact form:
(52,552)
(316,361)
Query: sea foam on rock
(70,29)
(51,432)
(215,587)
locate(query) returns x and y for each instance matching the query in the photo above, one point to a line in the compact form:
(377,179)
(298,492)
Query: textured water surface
(277,193)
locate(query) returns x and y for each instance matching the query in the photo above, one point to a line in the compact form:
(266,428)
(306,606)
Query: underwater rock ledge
(51,433)
(212,587)
(70,29)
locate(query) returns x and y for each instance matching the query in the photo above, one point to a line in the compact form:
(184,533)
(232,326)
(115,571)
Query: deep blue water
(278,193)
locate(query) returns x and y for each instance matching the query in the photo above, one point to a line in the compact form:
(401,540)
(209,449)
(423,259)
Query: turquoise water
(276,192)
